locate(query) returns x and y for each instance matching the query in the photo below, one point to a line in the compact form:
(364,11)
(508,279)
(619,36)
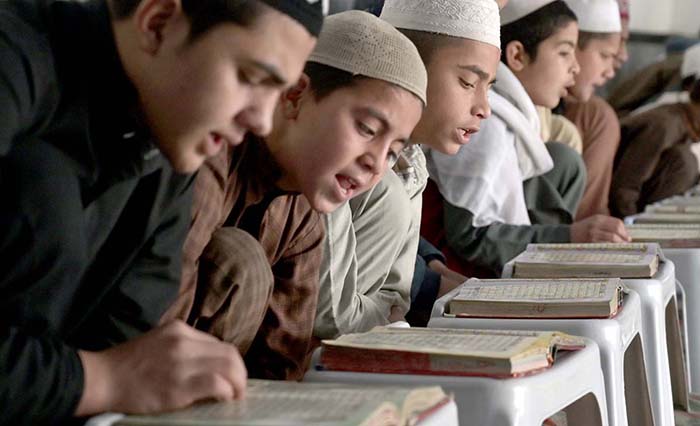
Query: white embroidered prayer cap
(472,19)
(362,44)
(517,9)
(597,16)
(691,62)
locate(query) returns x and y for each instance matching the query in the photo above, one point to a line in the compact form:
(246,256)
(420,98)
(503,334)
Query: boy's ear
(151,18)
(516,56)
(293,97)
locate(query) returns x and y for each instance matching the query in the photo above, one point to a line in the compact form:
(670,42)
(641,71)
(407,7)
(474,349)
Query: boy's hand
(599,229)
(167,368)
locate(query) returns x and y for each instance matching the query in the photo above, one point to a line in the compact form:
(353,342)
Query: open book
(282,403)
(549,298)
(667,235)
(673,208)
(673,217)
(451,352)
(587,261)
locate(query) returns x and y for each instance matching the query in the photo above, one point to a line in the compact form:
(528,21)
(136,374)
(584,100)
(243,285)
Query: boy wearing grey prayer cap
(368,267)
(107,108)
(251,259)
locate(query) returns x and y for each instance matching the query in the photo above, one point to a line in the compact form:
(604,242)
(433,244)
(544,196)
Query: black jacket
(92,217)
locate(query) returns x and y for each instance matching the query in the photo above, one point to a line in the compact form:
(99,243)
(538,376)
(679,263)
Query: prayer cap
(362,44)
(691,62)
(471,19)
(308,13)
(597,16)
(517,9)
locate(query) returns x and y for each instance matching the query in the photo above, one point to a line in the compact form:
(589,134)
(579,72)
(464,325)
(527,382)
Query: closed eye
(364,129)
(466,84)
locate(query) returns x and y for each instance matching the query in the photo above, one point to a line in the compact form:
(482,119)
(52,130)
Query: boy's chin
(325,206)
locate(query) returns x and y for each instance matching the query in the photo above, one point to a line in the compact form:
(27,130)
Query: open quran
(282,403)
(453,352)
(589,260)
(537,298)
(667,235)
(673,208)
(667,217)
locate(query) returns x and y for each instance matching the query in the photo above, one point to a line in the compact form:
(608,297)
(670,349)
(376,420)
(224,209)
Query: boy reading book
(506,188)
(251,259)
(106,109)
(599,43)
(370,252)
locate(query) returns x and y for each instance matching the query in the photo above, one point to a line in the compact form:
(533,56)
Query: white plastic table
(667,379)
(574,384)
(621,352)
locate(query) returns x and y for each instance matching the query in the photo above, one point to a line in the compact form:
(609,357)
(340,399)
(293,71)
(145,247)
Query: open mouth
(466,133)
(347,185)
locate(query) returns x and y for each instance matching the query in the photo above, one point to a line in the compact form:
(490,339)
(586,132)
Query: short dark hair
(203,14)
(325,79)
(695,92)
(428,43)
(687,83)
(536,27)
(585,37)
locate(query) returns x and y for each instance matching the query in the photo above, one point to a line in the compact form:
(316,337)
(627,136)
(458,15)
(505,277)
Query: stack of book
(290,403)
(451,352)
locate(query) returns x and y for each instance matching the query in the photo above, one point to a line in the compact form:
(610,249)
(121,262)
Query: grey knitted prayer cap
(362,44)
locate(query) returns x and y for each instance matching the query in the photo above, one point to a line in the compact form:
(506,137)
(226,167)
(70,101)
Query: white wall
(665,16)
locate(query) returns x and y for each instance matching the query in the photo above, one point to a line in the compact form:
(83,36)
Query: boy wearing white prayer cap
(506,185)
(369,265)
(597,52)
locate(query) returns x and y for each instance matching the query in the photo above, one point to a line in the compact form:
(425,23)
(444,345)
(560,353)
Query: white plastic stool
(621,351)
(687,262)
(574,384)
(658,303)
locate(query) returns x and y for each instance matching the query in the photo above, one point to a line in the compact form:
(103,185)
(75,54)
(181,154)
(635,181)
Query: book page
(585,257)
(673,208)
(668,218)
(286,403)
(492,343)
(623,247)
(673,231)
(541,291)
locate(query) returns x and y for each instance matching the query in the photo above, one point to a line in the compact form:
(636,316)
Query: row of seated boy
(198,191)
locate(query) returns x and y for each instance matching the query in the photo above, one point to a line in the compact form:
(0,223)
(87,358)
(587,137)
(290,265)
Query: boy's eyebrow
(569,42)
(483,75)
(274,75)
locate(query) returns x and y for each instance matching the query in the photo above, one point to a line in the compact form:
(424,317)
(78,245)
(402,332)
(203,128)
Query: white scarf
(482,177)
